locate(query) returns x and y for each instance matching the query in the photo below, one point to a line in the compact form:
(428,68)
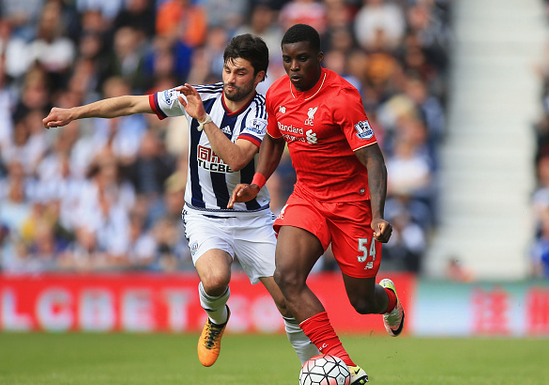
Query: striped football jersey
(210,181)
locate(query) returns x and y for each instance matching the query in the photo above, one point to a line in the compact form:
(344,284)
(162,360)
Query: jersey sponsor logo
(208,160)
(311,137)
(364,131)
(259,126)
(310,116)
(290,129)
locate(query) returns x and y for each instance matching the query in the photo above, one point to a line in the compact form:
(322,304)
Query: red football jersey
(323,126)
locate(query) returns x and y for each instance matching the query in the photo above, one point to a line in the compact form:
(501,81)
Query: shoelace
(213,333)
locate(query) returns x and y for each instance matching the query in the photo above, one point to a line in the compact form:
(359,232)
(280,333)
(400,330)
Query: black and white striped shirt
(210,181)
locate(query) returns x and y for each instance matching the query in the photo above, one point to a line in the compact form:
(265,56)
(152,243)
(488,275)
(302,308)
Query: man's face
(302,64)
(239,81)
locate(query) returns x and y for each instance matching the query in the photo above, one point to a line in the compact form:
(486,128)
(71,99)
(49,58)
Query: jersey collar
(229,112)
(309,94)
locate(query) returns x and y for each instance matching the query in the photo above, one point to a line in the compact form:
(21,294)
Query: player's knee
(363,306)
(215,285)
(288,281)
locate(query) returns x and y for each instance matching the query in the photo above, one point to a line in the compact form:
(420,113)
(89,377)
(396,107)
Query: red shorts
(345,224)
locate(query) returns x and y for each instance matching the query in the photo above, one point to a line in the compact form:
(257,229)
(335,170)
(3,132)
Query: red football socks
(392,300)
(321,333)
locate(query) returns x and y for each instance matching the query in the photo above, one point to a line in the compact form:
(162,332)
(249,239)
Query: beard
(239,93)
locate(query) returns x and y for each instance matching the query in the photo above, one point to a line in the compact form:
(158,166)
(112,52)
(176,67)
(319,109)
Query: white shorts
(247,236)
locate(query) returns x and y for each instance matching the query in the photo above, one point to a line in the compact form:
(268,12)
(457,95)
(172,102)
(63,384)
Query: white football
(324,369)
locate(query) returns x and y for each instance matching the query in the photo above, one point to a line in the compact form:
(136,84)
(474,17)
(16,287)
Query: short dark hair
(302,32)
(248,47)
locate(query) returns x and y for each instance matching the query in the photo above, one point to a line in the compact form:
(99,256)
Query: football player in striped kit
(227,123)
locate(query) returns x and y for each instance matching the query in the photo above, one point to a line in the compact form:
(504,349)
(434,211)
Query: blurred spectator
(52,50)
(430,107)
(151,167)
(127,58)
(428,23)
(540,198)
(34,94)
(336,60)
(310,12)
(229,15)
(183,20)
(138,15)
(108,8)
(15,208)
(6,122)
(85,254)
(149,171)
(409,173)
(379,22)
(13,51)
(142,245)
(166,60)
(21,16)
(104,206)
(405,249)
(540,248)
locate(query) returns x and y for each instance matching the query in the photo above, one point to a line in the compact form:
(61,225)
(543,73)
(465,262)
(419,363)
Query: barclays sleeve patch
(364,131)
(170,96)
(258,126)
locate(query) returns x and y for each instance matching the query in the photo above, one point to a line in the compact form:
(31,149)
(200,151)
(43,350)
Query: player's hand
(243,193)
(57,117)
(193,103)
(382,230)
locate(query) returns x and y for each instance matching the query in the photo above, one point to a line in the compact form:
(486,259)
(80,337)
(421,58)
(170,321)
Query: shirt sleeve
(255,129)
(165,103)
(349,114)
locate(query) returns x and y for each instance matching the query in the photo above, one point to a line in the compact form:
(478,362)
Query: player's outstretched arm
(106,108)
(372,158)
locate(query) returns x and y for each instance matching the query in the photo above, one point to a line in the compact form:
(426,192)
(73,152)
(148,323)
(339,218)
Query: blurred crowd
(106,194)
(539,251)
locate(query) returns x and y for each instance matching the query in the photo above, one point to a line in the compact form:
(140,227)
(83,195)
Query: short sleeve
(255,130)
(349,114)
(165,103)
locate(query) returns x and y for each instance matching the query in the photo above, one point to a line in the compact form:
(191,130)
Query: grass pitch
(170,359)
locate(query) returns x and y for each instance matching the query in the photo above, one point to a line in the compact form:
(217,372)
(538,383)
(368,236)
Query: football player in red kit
(339,196)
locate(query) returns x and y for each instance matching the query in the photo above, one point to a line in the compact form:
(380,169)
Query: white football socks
(302,345)
(215,306)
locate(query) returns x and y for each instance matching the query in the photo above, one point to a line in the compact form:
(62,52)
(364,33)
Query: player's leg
(255,244)
(297,252)
(359,257)
(365,295)
(368,297)
(302,345)
(212,258)
(214,270)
